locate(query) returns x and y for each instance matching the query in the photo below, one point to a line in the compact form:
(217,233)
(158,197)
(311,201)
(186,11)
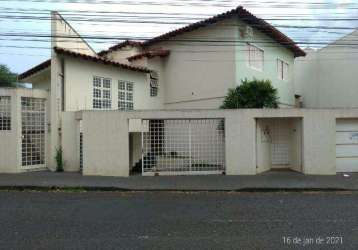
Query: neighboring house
(326,77)
(188,68)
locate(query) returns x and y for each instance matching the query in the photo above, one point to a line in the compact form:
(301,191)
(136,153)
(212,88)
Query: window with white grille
(153,91)
(102,97)
(255,57)
(5,113)
(282,70)
(153,84)
(125,95)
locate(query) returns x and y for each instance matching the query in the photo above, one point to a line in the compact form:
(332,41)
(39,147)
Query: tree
(252,94)
(7,78)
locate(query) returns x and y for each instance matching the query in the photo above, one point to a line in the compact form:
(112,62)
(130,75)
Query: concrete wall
(62,35)
(199,71)
(106,145)
(70,141)
(10,140)
(319,139)
(67,37)
(42,80)
(327,78)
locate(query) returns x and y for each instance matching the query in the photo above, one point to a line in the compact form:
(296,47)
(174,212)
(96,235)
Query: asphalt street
(177,220)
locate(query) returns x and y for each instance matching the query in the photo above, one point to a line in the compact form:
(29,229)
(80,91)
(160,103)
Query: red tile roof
(100,60)
(150,54)
(119,46)
(242,13)
(245,16)
(35,69)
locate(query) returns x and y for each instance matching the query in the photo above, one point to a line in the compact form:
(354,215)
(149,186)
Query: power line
(191,3)
(119,18)
(214,40)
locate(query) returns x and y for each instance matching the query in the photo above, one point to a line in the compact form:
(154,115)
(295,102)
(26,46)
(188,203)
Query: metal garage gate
(183,147)
(347,145)
(32,133)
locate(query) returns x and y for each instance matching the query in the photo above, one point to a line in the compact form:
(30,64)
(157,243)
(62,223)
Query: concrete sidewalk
(274,180)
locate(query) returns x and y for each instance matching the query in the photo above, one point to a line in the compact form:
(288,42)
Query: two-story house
(188,68)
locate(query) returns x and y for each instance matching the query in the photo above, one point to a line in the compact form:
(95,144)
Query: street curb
(119,189)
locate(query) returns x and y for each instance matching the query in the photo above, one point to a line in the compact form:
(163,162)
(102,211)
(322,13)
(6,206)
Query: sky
(142,19)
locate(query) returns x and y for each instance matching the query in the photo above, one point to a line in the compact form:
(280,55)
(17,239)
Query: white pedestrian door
(347,145)
(32,133)
(280,143)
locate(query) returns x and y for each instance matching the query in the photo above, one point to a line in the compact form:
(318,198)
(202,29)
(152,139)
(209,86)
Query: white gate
(183,147)
(32,132)
(280,143)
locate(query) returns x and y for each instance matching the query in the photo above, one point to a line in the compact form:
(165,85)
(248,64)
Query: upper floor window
(102,98)
(153,84)
(282,70)
(255,57)
(153,90)
(5,113)
(125,95)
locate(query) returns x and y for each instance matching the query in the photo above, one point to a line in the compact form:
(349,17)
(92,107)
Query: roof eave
(242,13)
(40,68)
(100,60)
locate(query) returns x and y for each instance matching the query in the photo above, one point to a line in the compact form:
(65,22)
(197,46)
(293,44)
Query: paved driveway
(167,220)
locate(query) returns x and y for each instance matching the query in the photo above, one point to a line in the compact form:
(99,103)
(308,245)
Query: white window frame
(125,95)
(154,91)
(99,92)
(154,82)
(281,71)
(250,62)
(5,113)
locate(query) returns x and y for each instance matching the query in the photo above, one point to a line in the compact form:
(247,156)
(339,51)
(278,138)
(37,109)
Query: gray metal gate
(183,147)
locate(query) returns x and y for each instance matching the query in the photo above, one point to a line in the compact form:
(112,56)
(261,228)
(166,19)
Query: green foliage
(7,78)
(252,94)
(59,160)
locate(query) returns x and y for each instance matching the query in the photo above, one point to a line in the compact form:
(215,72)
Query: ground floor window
(5,113)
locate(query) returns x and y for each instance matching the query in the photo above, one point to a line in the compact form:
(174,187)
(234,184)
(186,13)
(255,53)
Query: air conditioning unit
(154,75)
